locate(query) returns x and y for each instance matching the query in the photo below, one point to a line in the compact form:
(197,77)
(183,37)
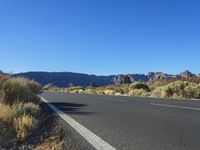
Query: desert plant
(139,85)
(18,90)
(73,88)
(109,92)
(53,143)
(160,92)
(178,89)
(90,91)
(30,109)
(6,113)
(24,125)
(34,86)
(138,92)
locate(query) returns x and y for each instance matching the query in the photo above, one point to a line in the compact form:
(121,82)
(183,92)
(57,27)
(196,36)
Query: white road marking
(93,139)
(175,106)
(111,99)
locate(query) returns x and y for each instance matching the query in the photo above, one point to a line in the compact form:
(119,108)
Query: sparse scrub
(34,86)
(51,143)
(75,88)
(139,85)
(18,90)
(30,109)
(6,113)
(24,125)
(178,89)
(3,78)
(138,92)
(109,92)
(90,91)
(21,114)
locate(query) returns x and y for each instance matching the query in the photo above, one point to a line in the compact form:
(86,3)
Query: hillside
(63,79)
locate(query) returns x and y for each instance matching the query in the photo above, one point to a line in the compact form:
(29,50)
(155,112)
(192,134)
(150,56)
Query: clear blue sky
(100,36)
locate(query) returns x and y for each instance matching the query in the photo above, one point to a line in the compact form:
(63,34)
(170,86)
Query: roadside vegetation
(22,115)
(185,88)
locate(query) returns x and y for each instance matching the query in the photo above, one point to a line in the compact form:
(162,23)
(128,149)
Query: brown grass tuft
(51,143)
(24,125)
(6,112)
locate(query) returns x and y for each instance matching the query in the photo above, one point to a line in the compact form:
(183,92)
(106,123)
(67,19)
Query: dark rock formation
(121,79)
(186,74)
(159,75)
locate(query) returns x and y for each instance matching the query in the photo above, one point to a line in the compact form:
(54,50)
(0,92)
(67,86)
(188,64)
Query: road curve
(129,123)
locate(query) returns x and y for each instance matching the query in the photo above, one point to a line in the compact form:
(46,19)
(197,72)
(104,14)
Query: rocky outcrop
(186,74)
(159,75)
(63,79)
(48,86)
(121,79)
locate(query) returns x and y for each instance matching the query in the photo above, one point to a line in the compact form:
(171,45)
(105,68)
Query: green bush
(161,92)
(139,85)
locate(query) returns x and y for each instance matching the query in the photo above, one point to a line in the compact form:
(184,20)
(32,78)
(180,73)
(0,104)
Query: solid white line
(93,139)
(175,106)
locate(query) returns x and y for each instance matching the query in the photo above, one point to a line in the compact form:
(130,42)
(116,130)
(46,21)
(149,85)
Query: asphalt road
(129,123)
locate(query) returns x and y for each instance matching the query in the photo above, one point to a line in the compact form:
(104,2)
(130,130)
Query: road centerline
(175,106)
(112,99)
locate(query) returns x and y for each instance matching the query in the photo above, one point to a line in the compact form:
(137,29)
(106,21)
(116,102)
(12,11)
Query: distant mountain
(63,79)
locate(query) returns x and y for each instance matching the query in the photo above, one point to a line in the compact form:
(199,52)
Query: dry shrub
(51,143)
(30,109)
(100,92)
(178,89)
(2,96)
(81,91)
(90,91)
(3,78)
(6,113)
(35,87)
(139,85)
(117,94)
(138,92)
(24,125)
(75,88)
(16,90)
(109,92)
(19,90)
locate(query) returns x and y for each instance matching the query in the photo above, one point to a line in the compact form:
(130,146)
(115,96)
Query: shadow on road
(72,108)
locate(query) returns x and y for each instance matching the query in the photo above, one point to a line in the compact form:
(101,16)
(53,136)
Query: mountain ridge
(63,79)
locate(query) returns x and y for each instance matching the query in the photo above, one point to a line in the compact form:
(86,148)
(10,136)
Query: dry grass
(34,86)
(6,112)
(51,143)
(24,125)
(20,90)
(30,109)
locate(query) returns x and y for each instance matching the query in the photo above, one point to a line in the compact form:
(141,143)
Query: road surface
(129,123)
